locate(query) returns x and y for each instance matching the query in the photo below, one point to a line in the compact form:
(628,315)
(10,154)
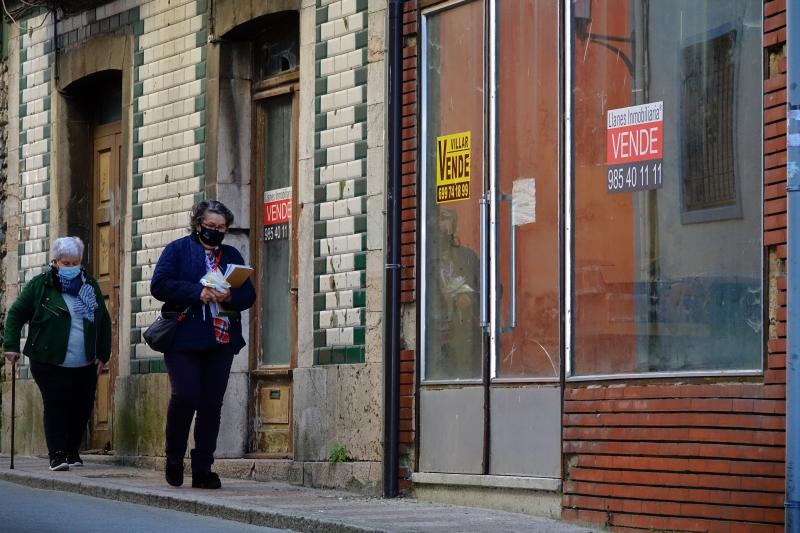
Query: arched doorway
(91,203)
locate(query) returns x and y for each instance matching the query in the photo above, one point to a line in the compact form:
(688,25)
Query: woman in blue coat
(199,361)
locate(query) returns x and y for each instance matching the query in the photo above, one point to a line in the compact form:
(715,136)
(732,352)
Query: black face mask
(211,237)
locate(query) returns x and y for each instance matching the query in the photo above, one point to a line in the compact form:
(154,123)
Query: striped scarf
(86,301)
(221,324)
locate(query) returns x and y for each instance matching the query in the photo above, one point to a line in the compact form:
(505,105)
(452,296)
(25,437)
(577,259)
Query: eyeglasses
(223,228)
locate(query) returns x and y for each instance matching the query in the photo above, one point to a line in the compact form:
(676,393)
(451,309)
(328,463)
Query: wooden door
(274,357)
(104,250)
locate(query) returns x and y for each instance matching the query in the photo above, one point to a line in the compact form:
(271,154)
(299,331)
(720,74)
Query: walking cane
(13,405)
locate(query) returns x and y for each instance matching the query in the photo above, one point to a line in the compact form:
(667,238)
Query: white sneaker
(59,463)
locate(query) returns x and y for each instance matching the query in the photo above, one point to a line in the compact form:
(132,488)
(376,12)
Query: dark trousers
(198,381)
(68,398)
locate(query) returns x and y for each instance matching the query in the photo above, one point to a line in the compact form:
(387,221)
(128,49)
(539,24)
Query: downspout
(391,334)
(792,502)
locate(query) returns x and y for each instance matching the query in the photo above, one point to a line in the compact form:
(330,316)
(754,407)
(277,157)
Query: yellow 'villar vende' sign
(453,167)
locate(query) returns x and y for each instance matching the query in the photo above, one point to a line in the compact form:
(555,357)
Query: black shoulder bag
(160,334)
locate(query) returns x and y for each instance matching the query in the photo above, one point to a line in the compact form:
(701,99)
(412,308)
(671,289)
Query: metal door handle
(484,296)
(512,275)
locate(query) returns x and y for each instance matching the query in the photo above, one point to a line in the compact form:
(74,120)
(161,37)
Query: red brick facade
(697,455)
(688,454)
(409,236)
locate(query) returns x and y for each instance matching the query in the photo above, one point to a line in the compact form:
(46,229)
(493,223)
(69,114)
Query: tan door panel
(104,248)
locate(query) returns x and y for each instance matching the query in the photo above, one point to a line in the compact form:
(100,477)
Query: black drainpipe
(391,437)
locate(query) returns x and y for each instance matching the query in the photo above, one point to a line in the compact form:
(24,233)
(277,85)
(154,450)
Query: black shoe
(205,480)
(174,474)
(73,459)
(58,462)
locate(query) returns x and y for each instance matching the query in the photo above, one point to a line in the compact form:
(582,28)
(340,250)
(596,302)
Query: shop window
(667,269)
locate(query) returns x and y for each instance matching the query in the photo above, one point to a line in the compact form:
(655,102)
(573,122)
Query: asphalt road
(23,509)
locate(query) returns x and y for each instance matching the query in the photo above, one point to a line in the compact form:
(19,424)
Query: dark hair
(200,209)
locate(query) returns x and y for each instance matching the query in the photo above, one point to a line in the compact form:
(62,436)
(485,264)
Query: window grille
(709,179)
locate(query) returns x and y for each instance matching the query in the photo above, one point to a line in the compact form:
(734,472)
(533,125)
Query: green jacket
(41,305)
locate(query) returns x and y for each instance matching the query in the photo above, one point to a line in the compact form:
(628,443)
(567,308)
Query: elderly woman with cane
(68,344)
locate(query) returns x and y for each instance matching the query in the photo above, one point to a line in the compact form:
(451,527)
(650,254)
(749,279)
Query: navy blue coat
(176,281)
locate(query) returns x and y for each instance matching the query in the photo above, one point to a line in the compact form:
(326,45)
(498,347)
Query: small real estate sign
(453,166)
(635,147)
(277,213)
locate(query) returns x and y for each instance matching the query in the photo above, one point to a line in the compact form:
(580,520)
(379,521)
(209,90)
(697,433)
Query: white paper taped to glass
(523,203)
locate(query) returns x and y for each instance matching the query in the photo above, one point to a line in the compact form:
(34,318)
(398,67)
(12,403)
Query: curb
(148,497)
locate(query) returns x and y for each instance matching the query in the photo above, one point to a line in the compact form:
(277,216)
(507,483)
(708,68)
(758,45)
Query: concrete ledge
(498,482)
(360,477)
(530,502)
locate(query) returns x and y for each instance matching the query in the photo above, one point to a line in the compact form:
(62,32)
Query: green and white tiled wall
(36,65)
(168,151)
(340,161)
(35,146)
(168,131)
(169,136)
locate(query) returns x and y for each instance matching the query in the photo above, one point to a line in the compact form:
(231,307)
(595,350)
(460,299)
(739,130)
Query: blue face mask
(69,272)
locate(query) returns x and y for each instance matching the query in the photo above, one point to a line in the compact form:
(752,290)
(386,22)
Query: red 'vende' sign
(277,212)
(277,206)
(640,142)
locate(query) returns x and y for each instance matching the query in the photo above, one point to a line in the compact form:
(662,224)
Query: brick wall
(3,174)
(409,154)
(408,238)
(705,456)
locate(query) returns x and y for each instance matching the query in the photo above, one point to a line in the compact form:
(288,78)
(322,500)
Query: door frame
(490,160)
(422,260)
(280,85)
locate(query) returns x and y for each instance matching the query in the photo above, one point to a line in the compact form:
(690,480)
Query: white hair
(66,247)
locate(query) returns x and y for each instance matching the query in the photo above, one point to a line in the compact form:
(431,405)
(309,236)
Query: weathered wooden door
(104,249)
(276,274)
(273,326)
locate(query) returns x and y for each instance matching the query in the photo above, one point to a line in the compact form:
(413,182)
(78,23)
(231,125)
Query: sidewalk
(273,504)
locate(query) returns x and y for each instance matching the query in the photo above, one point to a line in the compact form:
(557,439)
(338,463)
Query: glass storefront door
(453,126)
(490,324)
